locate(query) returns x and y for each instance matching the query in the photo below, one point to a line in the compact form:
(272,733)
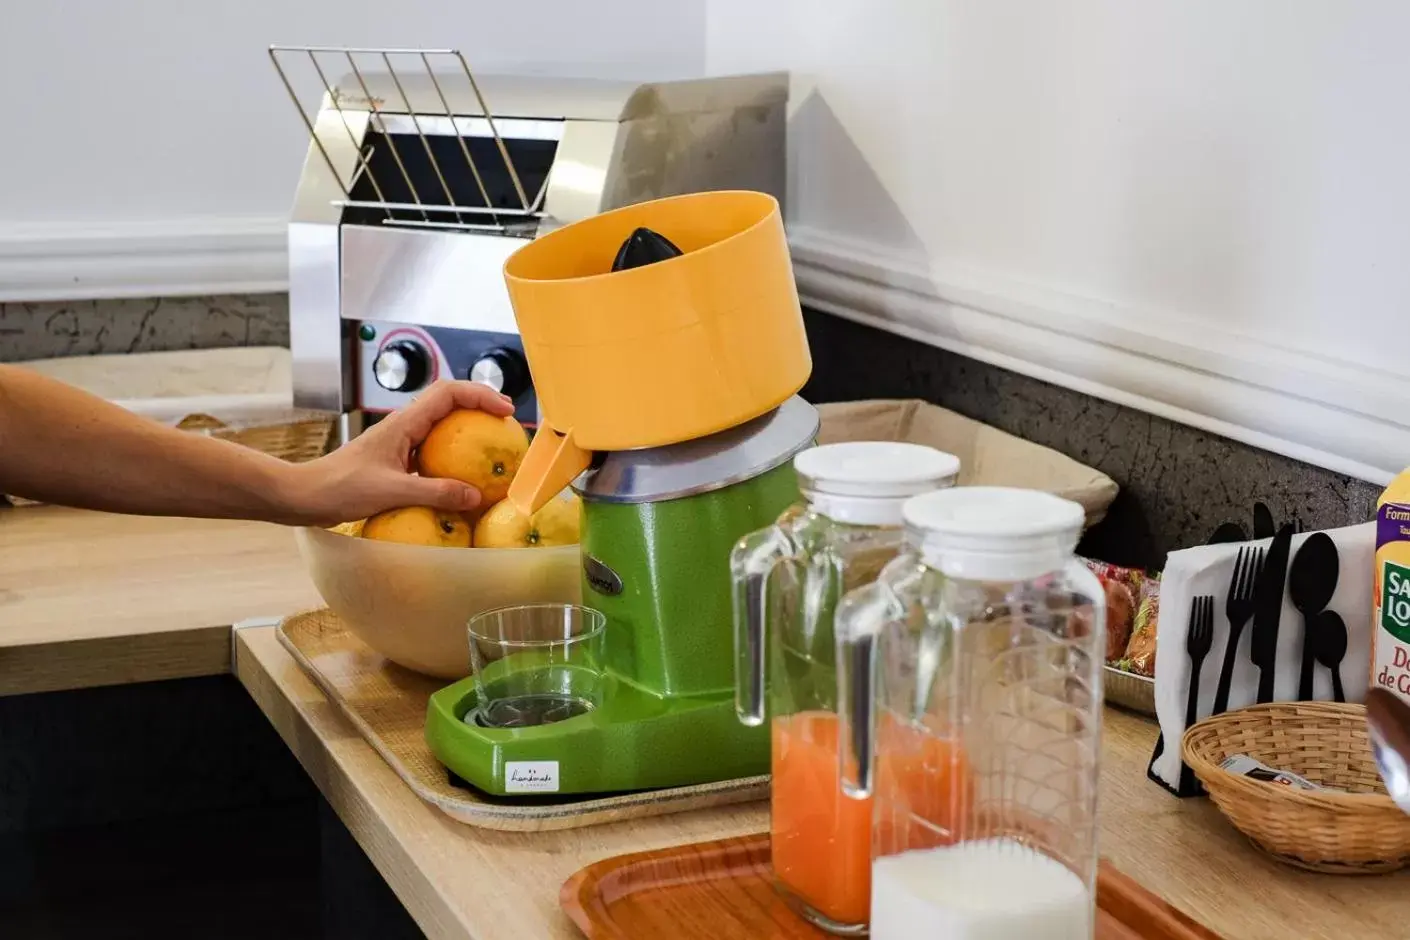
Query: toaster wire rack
(432,97)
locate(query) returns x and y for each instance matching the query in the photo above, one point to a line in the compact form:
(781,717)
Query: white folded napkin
(1208,569)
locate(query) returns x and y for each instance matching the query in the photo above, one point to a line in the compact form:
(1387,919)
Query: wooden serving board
(387,706)
(724,891)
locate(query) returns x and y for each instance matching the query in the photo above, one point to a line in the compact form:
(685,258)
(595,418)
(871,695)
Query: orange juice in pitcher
(1390,635)
(787,579)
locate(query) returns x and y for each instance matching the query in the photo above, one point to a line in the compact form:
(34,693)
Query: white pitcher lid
(875,469)
(867,482)
(994,532)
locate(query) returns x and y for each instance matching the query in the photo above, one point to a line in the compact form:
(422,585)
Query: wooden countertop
(460,882)
(95,599)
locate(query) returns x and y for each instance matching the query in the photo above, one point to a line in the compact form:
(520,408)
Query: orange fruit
(504,526)
(476,448)
(419,525)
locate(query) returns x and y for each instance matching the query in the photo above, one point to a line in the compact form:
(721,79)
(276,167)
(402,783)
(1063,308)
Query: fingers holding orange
(483,450)
(474,447)
(480,397)
(445,398)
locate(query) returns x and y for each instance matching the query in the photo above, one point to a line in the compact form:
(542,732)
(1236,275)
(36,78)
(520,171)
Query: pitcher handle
(751,565)
(859,627)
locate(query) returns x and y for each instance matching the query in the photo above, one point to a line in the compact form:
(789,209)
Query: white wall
(1198,207)
(1195,207)
(138,128)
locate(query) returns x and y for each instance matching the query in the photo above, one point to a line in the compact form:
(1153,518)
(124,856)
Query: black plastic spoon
(1228,532)
(1312,580)
(1330,637)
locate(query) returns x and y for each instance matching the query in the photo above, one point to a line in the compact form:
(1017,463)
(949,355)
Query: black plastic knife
(1268,610)
(1262,521)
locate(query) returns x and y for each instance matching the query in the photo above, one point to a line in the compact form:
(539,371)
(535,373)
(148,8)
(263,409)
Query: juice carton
(1390,635)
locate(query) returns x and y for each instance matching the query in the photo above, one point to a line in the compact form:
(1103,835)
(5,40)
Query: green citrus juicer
(658,526)
(666,342)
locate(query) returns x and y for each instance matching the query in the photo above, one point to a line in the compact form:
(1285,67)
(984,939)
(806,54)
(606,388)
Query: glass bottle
(971,700)
(787,580)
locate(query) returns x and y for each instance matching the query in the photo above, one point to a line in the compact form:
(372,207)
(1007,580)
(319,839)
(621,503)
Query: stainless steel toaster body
(419,183)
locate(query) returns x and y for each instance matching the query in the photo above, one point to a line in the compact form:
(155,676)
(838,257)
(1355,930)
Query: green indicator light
(367,332)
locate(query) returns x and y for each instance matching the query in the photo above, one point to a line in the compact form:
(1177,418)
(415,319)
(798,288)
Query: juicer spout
(553,462)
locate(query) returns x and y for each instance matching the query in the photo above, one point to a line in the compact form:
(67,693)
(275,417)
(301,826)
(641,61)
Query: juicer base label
(531,776)
(601,578)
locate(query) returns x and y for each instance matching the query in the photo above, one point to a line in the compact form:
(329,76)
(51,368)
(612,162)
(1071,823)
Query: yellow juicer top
(657,354)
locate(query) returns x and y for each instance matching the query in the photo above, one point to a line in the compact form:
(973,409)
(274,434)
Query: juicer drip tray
(387,705)
(545,710)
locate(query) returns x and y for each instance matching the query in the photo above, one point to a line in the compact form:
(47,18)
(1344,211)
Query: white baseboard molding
(1345,417)
(64,261)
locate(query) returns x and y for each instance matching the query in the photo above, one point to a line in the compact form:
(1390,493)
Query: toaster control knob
(503,370)
(402,366)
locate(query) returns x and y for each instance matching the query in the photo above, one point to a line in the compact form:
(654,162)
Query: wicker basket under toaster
(1358,830)
(299,437)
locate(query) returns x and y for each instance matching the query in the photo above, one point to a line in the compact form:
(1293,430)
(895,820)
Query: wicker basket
(1357,831)
(297,438)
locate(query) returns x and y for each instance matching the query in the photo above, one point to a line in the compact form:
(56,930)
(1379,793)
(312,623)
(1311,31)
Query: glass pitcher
(971,701)
(787,580)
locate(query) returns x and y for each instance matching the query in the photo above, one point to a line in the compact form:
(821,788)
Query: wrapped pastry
(1122,587)
(1140,652)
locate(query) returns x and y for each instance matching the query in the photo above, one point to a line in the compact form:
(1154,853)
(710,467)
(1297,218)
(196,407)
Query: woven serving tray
(387,706)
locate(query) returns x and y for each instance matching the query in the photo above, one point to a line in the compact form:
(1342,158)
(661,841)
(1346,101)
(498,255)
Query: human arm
(61,445)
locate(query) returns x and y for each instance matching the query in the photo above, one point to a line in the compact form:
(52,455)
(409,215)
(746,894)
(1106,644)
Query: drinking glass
(536,664)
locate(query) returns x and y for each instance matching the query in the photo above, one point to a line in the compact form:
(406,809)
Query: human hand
(372,472)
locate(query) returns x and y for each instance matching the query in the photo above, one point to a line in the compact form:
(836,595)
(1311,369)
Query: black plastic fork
(1239,608)
(1198,641)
